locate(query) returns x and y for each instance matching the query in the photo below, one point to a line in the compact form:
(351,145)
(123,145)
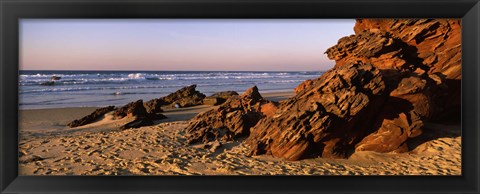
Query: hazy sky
(156,44)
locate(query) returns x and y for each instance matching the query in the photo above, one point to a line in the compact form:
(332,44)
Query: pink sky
(222,45)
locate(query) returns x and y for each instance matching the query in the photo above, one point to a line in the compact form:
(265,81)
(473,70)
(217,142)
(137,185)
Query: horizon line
(182,70)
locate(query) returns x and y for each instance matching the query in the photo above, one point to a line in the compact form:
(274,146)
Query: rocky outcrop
(95,115)
(54,78)
(427,48)
(185,97)
(219,98)
(304,85)
(231,120)
(132,109)
(135,110)
(155,105)
(48,83)
(327,119)
(437,42)
(139,112)
(389,78)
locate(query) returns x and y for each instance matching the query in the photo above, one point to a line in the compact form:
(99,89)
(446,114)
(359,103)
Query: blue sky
(179,44)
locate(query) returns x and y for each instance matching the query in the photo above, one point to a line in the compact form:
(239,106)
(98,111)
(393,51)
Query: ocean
(102,88)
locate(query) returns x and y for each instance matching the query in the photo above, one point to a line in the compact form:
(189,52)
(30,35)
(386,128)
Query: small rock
(215,145)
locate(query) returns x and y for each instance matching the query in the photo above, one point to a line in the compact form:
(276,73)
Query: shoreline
(48,147)
(54,119)
(274,95)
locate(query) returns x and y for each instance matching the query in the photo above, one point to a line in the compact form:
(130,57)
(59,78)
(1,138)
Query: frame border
(13,10)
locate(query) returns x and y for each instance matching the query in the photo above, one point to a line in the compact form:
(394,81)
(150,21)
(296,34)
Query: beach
(384,98)
(48,147)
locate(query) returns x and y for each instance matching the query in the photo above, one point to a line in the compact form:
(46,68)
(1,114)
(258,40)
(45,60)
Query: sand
(47,147)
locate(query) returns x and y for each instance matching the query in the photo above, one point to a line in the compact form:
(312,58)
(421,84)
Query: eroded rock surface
(427,48)
(326,119)
(130,110)
(231,120)
(409,72)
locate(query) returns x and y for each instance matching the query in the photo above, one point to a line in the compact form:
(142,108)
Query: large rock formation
(428,48)
(185,97)
(232,119)
(389,78)
(327,118)
(436,42)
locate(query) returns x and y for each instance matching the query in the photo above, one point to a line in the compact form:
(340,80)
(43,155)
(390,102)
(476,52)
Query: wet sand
(48,147)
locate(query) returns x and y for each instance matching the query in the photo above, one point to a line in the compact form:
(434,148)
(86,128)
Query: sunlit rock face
(231,120)
(390,77)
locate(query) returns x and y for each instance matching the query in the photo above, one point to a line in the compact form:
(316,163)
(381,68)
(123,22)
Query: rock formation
(95,115)
(326,118)
(155,105)
(304,85)
(389,78)
(135,110)
(139,112)
(53,78)
(219,98)
(185,97)
(232,119)
(132,109)
(428,48)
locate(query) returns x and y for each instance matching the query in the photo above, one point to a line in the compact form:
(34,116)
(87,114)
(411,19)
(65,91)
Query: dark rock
(95,115)
(231,120)
(155,105)
(219,98)
(213,101)
(185,97)
(48,83)
(224,94)
(252,93)
(132,109)
(55,78)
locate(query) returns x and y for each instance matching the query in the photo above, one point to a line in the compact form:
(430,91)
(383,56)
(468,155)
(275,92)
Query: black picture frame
(13,10)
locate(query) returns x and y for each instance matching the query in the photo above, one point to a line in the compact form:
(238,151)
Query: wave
(117,88)
(140,77)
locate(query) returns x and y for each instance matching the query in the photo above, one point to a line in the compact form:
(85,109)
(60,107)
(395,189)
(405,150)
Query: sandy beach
(48,147)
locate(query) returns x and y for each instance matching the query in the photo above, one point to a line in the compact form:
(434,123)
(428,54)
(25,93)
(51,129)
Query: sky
(179,44)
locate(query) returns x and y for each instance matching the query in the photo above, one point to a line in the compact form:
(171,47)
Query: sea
(103,88)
